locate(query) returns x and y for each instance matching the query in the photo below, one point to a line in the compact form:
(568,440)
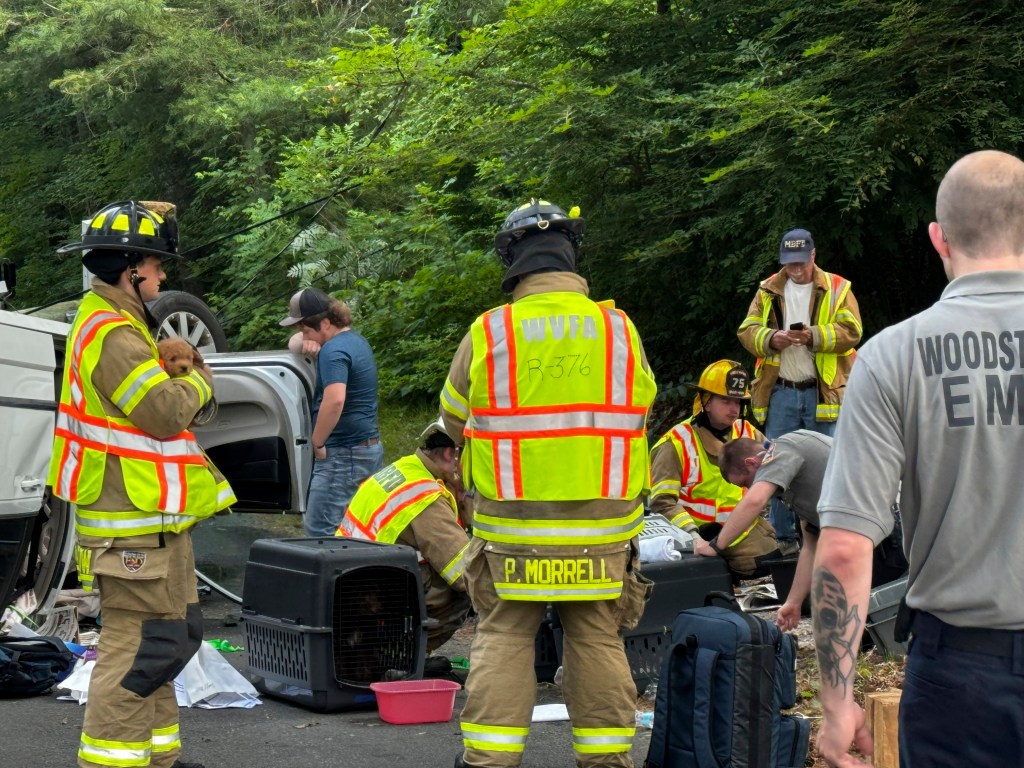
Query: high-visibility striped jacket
(687,485)
(408,503)
(551,394)
(835,332)
(122,451)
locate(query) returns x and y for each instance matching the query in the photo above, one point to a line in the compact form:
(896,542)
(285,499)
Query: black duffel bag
(32,665)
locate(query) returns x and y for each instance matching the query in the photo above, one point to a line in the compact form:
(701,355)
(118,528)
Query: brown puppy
(178,356)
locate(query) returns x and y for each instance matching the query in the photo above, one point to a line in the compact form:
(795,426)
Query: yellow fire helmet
(725,378)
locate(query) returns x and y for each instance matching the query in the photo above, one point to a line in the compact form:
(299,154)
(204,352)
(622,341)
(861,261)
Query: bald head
(980,205)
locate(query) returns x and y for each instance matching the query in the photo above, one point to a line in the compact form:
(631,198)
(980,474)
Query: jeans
(334,483)
(960,708)
(791,409)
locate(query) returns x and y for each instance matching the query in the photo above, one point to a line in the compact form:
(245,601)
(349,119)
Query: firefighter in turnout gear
(551,395)
(413,502)
(124,456)
(687,486)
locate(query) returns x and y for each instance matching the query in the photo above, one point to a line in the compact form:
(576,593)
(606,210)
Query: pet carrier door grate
(374,611)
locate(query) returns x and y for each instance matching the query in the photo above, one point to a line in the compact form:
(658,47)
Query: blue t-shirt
(347,359)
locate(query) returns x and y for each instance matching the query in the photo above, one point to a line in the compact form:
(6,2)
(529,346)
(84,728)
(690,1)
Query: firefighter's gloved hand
(690,528)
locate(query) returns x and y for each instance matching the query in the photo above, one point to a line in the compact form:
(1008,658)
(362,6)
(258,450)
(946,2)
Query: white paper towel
(658,549)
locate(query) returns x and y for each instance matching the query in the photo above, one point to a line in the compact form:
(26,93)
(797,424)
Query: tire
(182,315)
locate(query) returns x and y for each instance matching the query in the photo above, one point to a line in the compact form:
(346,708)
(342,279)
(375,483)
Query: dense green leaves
(691,139)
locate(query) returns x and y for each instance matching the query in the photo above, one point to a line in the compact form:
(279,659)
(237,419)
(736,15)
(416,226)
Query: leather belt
(371,441)
(797,384)
(991,642)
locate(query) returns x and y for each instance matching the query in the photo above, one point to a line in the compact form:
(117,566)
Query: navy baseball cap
(797,247)
(306,303)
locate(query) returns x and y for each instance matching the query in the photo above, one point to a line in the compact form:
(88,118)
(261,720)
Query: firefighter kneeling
(413,502)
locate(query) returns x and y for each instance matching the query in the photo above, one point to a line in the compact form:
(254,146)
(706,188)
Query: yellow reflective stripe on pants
(166,739)
(599,741)
(514,591)
(83,563)
(494,738)
(115,753)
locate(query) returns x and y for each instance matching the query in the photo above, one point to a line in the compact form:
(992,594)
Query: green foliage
(401,422)
(691,140)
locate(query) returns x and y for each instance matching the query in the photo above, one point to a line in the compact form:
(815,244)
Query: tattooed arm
(840,586)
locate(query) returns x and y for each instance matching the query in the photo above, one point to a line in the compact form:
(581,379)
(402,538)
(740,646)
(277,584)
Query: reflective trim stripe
(619,372)
(683,519)
(542,421)
(125,754)
(667,487)
(166,739)
(225,495)
(561,531)
(111,437)
(602,740)
(501,346)
(453,402)
(703,509)
(616,468)
(453,570)
(395,504)
(494,738)
(609,590)
(827,411)
(510,486)
(197,381)
(93,523)
(137,385)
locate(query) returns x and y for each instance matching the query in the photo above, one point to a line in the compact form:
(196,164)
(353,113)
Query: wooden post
(882,714)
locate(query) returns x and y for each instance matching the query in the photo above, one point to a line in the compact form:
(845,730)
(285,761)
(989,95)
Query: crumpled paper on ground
(208,681)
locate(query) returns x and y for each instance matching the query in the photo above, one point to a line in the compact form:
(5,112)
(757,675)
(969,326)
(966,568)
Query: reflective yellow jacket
(122,451)
(836,331)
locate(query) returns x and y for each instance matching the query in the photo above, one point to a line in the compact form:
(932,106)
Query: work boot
(460,763)
(789,547)
(179,764)
(437,666)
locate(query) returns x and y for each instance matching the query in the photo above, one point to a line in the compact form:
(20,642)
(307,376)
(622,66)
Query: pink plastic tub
(415,701)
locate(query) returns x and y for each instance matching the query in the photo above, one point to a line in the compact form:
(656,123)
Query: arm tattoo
(837,627)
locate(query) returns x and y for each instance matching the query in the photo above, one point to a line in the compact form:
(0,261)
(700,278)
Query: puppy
(178,356)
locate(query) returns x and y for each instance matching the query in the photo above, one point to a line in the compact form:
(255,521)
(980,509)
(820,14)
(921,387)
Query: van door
(260,437)
(260,440)
(27,415)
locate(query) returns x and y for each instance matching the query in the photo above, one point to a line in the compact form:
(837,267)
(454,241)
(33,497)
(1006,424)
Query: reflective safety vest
(167,480)
(558,402)
(707,496)
(830,311)
(388,501)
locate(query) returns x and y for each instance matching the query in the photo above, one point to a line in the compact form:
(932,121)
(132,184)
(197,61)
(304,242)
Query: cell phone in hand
(796,326)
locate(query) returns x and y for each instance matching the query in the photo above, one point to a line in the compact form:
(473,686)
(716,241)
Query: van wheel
(182,315)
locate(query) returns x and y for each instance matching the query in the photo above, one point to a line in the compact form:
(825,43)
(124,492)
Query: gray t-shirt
(937,401)
(796,464)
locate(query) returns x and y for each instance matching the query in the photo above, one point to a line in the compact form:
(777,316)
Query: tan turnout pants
(598,687)
(152,626)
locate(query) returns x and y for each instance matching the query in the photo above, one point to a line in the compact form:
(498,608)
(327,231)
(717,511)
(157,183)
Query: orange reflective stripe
(395,504)
(619,355)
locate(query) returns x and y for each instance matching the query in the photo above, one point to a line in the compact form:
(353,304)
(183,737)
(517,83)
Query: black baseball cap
(306,303)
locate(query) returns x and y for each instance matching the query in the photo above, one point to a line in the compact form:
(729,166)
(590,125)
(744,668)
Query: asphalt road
(41,732)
